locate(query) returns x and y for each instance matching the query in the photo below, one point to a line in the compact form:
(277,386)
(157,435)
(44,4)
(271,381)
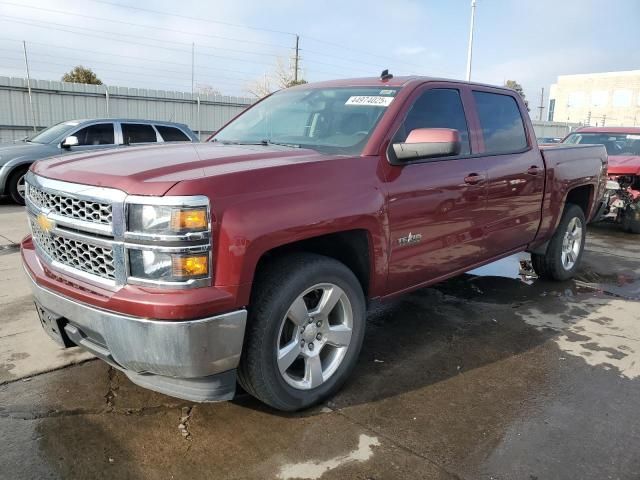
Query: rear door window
(437,108)
(502,126)
(99,134)
(172,134)
(138,133)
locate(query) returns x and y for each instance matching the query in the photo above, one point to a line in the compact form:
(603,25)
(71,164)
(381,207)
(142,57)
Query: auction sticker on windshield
(369,100)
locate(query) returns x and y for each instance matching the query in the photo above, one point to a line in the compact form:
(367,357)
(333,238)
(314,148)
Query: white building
(596,99)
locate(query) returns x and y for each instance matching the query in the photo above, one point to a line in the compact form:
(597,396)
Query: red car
(621,202)
(253,257)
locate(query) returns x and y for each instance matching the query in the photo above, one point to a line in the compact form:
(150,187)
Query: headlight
(161,219)
(168,241)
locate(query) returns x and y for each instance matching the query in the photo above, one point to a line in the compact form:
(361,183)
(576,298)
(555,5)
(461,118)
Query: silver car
(77,136)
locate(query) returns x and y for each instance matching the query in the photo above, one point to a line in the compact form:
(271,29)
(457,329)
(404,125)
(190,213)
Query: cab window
(437,108)
(501,123)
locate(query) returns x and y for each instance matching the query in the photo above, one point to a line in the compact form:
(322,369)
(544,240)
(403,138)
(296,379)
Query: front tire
(304,332)
(564,252)
(16,185)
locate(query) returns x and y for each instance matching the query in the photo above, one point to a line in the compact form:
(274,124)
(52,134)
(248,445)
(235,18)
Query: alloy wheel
(314,336)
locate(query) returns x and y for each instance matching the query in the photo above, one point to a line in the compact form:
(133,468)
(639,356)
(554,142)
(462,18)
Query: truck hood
(153,170)
(25,151)
(624,165)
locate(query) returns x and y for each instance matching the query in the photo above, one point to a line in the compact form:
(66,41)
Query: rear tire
(564,252)
(16,185)
(300,346)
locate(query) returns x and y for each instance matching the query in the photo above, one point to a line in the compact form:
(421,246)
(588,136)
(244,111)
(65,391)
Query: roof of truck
(402,81)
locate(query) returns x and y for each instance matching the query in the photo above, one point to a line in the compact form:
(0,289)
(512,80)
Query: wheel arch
(353,248)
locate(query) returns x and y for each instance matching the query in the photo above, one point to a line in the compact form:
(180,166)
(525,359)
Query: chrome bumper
(160,355)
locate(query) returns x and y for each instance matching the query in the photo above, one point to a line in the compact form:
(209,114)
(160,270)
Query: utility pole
(297,59)
(26,63)
(604,119)
(470,48)
(193,61)
(541,107)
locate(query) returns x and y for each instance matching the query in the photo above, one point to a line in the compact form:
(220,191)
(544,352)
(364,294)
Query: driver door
(436,206)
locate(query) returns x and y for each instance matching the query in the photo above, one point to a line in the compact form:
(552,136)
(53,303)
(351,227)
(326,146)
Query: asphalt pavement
(480,377)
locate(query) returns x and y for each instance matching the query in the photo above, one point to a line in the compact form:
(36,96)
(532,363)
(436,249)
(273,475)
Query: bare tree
(206,89)
(281,77)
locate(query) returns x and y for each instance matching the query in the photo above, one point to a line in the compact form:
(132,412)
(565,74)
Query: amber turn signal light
(191,219)
(191,266)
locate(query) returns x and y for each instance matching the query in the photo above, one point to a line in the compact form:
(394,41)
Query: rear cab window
(501,123)
(172,134)
(133,133)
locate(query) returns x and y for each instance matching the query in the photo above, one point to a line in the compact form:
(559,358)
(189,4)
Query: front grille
(70,207)
(73,253)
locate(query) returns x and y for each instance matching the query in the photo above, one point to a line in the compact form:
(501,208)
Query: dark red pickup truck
(252,257)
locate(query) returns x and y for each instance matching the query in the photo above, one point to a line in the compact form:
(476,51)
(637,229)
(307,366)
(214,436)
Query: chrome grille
(73,253)
(70,207)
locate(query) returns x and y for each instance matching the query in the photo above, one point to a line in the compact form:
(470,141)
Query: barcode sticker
(369,100)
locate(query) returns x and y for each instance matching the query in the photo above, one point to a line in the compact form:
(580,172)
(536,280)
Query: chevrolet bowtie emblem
(45,223)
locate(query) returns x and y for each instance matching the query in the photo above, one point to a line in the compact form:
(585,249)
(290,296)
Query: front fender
(249,229)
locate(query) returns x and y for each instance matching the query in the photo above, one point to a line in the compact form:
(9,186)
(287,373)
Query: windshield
(52,133)
(615,143)
(331,120)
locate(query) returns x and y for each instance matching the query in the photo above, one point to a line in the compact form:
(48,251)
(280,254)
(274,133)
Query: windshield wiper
(282,144)
(265,143)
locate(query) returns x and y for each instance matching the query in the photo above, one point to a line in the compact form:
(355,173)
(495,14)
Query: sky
(148,43)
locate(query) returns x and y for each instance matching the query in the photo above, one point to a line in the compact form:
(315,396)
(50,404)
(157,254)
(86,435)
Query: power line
(119,55)
(65,28)
(197,19)
(145,68)
(122,22)
(209,21)
(134,76)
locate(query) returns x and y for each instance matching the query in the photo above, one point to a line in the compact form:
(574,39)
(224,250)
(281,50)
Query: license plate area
(53,325)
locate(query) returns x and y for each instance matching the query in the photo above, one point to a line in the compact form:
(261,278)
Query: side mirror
(428,143)
(70,141)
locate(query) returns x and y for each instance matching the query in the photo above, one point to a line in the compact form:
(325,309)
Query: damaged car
(621,202)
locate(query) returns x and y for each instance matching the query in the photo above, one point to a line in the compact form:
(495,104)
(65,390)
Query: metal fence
(55,102)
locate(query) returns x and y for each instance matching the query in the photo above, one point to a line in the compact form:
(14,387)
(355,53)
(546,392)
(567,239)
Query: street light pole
(470,48)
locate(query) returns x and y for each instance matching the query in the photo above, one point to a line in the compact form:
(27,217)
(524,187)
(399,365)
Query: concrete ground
(480,377)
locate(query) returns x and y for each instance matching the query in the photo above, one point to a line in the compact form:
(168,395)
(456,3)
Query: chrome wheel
(21,187)
(314,336)
(571,244)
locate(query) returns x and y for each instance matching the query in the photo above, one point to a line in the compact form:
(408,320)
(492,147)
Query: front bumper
(193,359)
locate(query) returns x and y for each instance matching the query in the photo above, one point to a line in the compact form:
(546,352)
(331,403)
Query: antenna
(385,75)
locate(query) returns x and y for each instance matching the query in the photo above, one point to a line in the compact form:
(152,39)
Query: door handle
(473,179)
(533,170)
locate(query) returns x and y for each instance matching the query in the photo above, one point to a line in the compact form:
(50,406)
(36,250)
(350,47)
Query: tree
(281,77)
(513,85)
(80,74)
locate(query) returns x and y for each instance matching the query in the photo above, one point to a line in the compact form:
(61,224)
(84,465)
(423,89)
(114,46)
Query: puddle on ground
(603,332)
(315,470)
(516,266)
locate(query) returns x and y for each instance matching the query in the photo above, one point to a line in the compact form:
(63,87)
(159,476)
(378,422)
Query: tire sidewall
(12,184)
(572,212)
(323,272)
